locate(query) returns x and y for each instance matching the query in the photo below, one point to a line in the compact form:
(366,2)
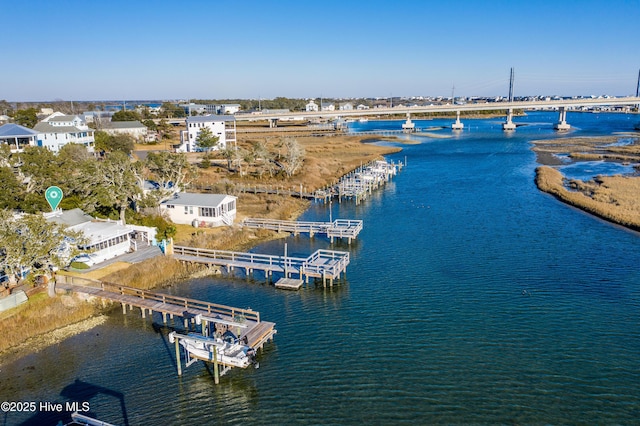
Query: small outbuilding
(201,210)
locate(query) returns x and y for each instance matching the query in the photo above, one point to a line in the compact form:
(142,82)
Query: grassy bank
(613,198)
(40,316)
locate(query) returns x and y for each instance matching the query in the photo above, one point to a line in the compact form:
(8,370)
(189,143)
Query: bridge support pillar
(457,125)
(508,124)
(273,123)
(562,124)
(408,126)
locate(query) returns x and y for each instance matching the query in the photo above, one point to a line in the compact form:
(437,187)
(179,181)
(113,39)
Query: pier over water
(328,265)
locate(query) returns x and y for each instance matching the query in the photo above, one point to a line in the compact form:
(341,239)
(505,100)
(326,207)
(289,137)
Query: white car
(87,259)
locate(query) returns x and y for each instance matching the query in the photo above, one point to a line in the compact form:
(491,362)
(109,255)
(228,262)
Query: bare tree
(294,157)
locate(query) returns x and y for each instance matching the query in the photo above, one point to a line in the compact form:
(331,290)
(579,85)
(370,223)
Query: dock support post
(216,372)
(143,310)
(178,357)
(124,308)
(164,317)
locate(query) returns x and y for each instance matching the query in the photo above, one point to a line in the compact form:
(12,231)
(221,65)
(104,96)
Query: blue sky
(115,50)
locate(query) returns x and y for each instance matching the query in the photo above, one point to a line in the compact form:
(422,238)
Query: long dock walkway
(257,332)
(325,264)
(339,228)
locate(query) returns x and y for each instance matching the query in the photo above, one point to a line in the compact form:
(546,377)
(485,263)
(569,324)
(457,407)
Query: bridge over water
(561,105)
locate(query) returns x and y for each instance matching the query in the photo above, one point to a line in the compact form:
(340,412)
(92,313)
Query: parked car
(87,259)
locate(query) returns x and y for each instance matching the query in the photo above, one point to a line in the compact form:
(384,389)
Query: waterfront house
(135,129)
(222,126)
(200,210)
(17,136)
(106,238)
(345,106)
(58,129)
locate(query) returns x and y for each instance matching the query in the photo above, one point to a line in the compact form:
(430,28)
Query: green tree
(32,242)
(81,180)
(124,115)
(151,125)
(12,190)
(206,140)
(170,110)
(26,117)
(39,169)
(121,182)
(114,143)
(164,129)
(171,171)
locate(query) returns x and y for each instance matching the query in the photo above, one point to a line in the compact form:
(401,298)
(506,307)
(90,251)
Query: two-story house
(59,129)
(222,126)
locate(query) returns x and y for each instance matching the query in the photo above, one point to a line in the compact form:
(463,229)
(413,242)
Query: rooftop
(210,118)
(13,130)
(200,200)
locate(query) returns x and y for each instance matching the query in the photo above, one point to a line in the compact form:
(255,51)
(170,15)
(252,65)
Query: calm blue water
(472,298)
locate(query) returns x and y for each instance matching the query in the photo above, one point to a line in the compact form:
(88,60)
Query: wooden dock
(358,184)
(339,228)
(256,331)
(328,265)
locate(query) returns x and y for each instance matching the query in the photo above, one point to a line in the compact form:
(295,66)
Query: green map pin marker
(53,194)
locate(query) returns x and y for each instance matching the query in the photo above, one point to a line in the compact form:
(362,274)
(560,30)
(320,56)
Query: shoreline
(342,154)
(39,342)
(610,198)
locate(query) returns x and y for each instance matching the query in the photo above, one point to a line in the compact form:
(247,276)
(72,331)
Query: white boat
(363,120)
(228,349)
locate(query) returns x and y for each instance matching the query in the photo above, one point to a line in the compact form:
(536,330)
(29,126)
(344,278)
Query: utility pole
(638,91)
(511,86)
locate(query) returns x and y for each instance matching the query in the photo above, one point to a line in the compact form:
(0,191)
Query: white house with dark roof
(17,136)
(222,126)
(133,128)
(58,129)
(201,210)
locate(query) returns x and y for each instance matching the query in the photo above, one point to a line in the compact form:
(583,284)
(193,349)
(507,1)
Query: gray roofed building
(192,199)
(123,125)
(201,209)
(68,218)
(17,136)
(209,118)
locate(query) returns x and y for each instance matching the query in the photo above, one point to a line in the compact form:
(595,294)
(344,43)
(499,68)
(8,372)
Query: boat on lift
(227,349)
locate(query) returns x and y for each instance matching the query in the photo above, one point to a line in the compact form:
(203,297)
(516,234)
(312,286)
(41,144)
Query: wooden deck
(325,264)
(257,332)
(340,228)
